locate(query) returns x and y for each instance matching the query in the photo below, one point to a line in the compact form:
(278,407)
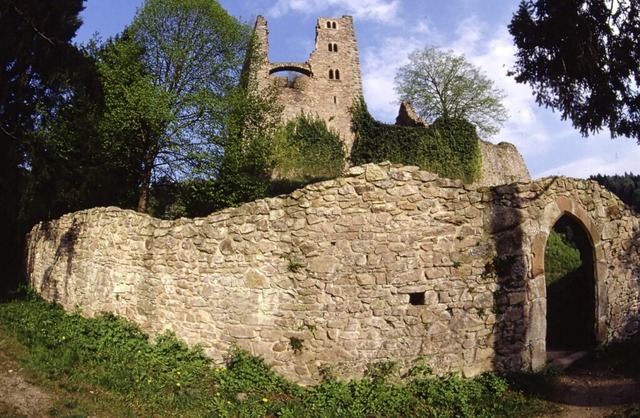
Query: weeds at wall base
(108,361)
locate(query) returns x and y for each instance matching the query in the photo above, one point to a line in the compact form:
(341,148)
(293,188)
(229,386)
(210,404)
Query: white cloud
(583,168)
(377,10)
(379,66)
(469,33)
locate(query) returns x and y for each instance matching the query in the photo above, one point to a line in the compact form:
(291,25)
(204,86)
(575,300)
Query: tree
(247,138)
(440,84)
(85,157)
(37,60)
(581,57)
(138,111)
(192,52)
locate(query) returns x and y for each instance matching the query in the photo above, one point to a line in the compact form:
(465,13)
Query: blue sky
(387,31)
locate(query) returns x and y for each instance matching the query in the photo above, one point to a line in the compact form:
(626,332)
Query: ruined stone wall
(326,85)
(386,263)
(502,164)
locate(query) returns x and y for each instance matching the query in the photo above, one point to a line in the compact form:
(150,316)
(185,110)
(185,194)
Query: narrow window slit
(416,298)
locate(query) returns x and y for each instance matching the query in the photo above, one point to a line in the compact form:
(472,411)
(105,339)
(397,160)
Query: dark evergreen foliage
(581,58)
(37,60)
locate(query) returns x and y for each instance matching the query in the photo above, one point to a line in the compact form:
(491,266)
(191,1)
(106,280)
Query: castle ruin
(327,84)
(324,86)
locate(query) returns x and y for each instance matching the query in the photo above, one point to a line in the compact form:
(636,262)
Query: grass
(106,366)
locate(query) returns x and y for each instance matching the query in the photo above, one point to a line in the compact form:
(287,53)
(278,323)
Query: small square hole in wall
(416,298)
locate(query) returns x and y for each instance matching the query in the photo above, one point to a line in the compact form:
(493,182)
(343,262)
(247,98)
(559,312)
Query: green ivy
(305,149)
(448,147)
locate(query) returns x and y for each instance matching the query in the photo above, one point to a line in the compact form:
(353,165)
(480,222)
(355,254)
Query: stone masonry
(385,263)
(326,85)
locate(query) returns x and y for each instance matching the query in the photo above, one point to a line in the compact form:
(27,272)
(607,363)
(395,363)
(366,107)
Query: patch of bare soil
(18,396)
(589,389)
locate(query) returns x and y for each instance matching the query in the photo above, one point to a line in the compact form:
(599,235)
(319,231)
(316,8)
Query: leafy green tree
(88,154)
(441,84)
(247,165)
(581,57)
(192,52)
(137,112)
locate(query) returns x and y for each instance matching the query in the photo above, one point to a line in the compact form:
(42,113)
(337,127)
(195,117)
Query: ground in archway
(593,389)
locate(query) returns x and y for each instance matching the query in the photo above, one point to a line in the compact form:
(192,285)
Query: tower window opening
(330,74)
(329,25)
(335,99)
(333,25)
(337,74)
(330,47)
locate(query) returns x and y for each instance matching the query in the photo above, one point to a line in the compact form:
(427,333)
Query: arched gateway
(574,315)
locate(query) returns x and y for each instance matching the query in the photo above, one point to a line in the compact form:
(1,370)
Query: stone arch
(302,68)
(552,213)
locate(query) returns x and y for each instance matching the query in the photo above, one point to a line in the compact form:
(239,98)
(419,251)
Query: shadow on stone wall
(509,269)
(66,249)
(512,307)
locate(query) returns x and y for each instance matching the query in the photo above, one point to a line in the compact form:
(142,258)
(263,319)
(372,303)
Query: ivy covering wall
(449,148)
(305,149)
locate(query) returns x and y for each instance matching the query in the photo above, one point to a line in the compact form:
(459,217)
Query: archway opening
(570,280)
(289,76)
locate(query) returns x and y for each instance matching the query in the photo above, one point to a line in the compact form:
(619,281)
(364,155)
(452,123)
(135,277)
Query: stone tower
(324,86)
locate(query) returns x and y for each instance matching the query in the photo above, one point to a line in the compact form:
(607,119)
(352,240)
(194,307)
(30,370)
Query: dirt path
(18,396)
(594,390)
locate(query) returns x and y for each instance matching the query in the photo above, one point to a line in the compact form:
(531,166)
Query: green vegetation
(306,150)
(266,160)
(580,58)
(561,257)
(107,365)
(449,147)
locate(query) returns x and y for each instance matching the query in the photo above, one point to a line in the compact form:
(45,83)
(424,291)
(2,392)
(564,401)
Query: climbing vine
(448,147)
(306,149)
